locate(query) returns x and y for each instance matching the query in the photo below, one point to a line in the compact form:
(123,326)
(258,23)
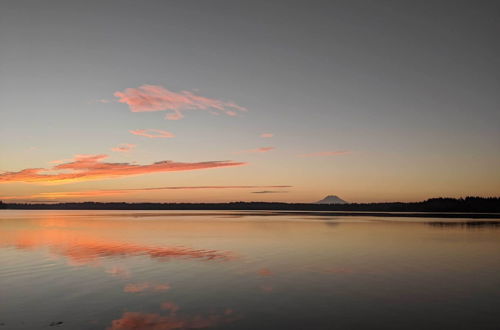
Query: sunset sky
(214,101)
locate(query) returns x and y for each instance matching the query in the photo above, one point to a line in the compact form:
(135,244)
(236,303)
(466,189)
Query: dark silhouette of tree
(439,205)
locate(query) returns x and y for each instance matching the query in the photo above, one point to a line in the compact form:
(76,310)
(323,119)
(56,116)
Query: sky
(215,101)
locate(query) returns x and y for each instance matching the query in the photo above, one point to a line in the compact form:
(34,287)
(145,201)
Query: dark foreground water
(245,270)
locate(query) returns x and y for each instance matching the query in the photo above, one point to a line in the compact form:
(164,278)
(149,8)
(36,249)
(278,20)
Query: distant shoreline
(469,207)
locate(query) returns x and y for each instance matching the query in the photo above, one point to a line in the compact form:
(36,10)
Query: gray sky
(409,89)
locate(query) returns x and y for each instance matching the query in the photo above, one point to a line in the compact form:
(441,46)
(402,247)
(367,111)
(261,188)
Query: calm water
(245,270)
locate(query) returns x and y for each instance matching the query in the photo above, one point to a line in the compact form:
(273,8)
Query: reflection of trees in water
(465,224)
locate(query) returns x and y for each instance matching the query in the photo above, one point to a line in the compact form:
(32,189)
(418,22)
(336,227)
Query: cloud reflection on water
(118,271)
(145,286)
(82,249)
(265,272)
(154,321)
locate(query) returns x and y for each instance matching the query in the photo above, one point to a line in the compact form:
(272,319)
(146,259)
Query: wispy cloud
(110,192)
(266,135)
(124,147)
(326,153)
(148,98)
(258,150)
(91,167)
(152,133)
(269,192)
(59,161)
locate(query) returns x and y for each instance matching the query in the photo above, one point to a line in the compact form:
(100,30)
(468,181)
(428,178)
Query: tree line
(467,204)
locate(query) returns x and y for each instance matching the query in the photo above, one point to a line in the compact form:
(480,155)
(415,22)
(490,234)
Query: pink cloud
(177,115)
(124,147)
(91,167)
(266,135)
(258,150)
(148,98)
(152,133)
(326,153)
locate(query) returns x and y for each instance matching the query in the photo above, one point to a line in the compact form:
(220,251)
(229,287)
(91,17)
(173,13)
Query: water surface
(245,270)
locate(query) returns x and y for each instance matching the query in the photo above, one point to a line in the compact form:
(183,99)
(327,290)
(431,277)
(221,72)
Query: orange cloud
(152,133)
(326,153)
(258,150)
(109,192)
(157,98)
(91,167)
(266,135)
(124,147)
(146,286)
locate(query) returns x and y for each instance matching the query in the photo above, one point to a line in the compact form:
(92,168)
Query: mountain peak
(331,199)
